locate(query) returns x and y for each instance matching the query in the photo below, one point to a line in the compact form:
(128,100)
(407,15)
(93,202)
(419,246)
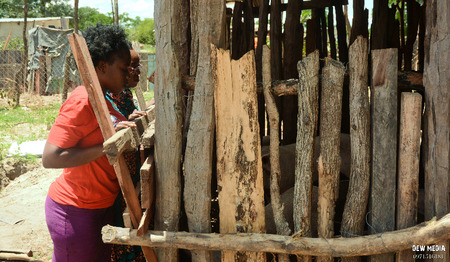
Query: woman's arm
(57,157)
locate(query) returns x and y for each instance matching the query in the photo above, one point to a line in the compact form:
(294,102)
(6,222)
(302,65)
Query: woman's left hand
(136,113)
(123,125)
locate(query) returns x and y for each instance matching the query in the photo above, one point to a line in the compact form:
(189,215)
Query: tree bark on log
(437,112)
(424,234)
(353,217)
(408,165)
(329,161)
(198,159)
(308,96)
(384,143)
(169,118)
(239,165)
(281,224)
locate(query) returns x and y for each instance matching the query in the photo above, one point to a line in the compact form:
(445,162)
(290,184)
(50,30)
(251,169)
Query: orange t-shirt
(93,185)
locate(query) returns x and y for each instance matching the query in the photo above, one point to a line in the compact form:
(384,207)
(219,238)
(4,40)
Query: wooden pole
(239,165)
(5,46)
(67,66)
(281,224)
(408,165)
(308,95)
(424,234)
(354,214)
(198,159)
(437,112)
(384,143)
(330,133)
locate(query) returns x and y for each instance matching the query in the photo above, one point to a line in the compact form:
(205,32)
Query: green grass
(25,124)
(148,49)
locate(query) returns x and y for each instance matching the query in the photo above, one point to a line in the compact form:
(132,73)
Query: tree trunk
(75,16)
(384,143)
(198,161)
(308,95)
(408,165)
(330,134)
(437,112)
(354,214)
(168,126)
(239,166)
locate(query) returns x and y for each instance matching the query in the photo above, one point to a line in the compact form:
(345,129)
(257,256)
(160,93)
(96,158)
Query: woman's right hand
(123,125)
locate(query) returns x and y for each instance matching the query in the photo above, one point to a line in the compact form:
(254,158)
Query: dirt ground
(22,217)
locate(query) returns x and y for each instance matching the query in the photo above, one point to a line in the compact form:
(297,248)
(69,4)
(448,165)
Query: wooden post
(67,66)
(408,165)
(354,214)
(330,18)
(275,40)
(308,96)
(330,134)
(281,224)
(198,159)
(437,112)
(384,143)
(168,125)
(342,34)
(239,165)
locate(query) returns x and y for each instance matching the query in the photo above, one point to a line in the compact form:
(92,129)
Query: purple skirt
(76,232)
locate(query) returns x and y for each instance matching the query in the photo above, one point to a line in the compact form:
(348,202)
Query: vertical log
(329,160)
(384,143)
(315,17)
(379,37)
(408,165)
(360,21)
(281,224)
(275,40)
(198,161)
(67,66)
(308,95)
(323,29)
(342,34)
(168,126)
(331,32)
(239,166)
(354,214)
(413,16)
(262,39)
(437,112)
(422,37)
(293,48)
(237,37)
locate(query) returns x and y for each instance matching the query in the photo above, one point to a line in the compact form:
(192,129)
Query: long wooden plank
(97,99)
(239,166)
(426,233)
(148,182)
(384,143)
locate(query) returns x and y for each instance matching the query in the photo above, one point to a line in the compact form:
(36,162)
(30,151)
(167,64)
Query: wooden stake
(384,143)
(308,96)
(275,171)
(330,134)
(408,165)
(354,215)
(424,234)
(239,165)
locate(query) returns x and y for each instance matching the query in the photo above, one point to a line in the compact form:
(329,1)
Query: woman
(79,202)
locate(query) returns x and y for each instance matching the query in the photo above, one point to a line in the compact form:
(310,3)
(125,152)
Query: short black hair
(105,41)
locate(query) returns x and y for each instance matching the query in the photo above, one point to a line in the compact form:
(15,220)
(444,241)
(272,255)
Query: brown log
(353,217)
(308,95)
(140,98)
(123,140)
(424,234)
(148,138)
(380,25)
(437,112)
(275,40)
(408,165)
(384,143)
(413,17)
(67,66)
(329,160)
(342,34)
(332,39)
(198,159)
(144,223)
(171,64)
(239,165)
(281,224)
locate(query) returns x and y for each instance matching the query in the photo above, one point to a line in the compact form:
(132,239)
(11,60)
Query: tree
(36,8)
(88,16)
(144,32)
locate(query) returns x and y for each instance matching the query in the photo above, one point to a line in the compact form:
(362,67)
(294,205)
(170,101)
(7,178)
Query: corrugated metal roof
(30,19)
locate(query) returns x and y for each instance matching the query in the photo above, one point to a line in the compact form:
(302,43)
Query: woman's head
(135,69)
(109,50)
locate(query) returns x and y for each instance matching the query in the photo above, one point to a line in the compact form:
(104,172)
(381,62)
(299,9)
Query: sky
(145,8)
(141,8)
